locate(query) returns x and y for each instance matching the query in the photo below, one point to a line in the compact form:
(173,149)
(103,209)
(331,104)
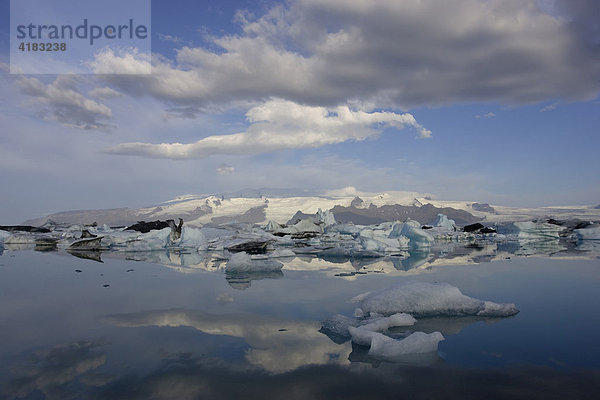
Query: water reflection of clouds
(194,378)
(277,345)
(53,372)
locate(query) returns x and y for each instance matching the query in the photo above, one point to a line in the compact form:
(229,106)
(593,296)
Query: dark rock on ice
(145,227)
(473,227)
(86,244)
(175,229)
(85,234)
(24,228)
(251,247)
(304,235)
(486,229)
(93,254)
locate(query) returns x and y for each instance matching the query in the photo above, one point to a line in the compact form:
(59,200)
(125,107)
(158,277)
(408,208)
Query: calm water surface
(73,328)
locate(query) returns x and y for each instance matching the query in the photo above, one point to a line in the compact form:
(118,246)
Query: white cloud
(387,53)
(487,115)
(170,38)
(103,93)
(549,107)
(124,62)
(61,101)
(225,169)
(280,124)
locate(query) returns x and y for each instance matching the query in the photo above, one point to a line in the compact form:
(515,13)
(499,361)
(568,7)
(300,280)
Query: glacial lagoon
(165,324)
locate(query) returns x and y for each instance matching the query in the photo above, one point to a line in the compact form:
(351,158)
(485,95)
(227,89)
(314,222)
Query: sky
(480,100)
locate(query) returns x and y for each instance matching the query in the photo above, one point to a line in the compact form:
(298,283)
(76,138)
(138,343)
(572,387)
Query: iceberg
(243,262)
(418,342)
(379,324)
(445,224)
(326,217)
(591,232)
(422,299)
(340,325)
(538,230)
(364,337)
(373,239)
(412,230)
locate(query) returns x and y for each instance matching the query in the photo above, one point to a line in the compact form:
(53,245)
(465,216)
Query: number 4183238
(42,46)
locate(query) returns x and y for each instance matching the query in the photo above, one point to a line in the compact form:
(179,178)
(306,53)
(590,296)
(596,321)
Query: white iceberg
(412,230)
(591,232)
(430,299)
(373,239)
(445,224)
(192,238)
(242,262)
(341,324)
(326,217)
(417,343)
(379,324)
(538,230)
(364,337)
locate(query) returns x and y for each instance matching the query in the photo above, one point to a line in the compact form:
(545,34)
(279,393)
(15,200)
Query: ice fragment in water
(242,262)
(422,299)
(419,342)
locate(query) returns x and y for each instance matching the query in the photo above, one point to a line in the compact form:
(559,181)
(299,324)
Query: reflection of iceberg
(415,259)
(277,345)
(539,238)
(241,269)
(93,255)
(243,262)
(361,354)
(429,299)
(243,280)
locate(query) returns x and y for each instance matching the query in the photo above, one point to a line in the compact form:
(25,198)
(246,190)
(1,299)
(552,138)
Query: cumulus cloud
(549,107)
(487,115)
(61,101)
(278,125)
(123,61)
(225,169)
(170,38)
(103,93)
(386,53)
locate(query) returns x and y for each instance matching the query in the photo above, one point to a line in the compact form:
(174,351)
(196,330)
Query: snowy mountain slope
(198,210)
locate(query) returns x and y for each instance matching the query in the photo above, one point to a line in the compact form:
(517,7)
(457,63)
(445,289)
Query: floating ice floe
(340,325)
(412,231)
(591,232)
(416,343)
(243,262)
(326,217)
(444,224)
(422,299)
(538,230)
